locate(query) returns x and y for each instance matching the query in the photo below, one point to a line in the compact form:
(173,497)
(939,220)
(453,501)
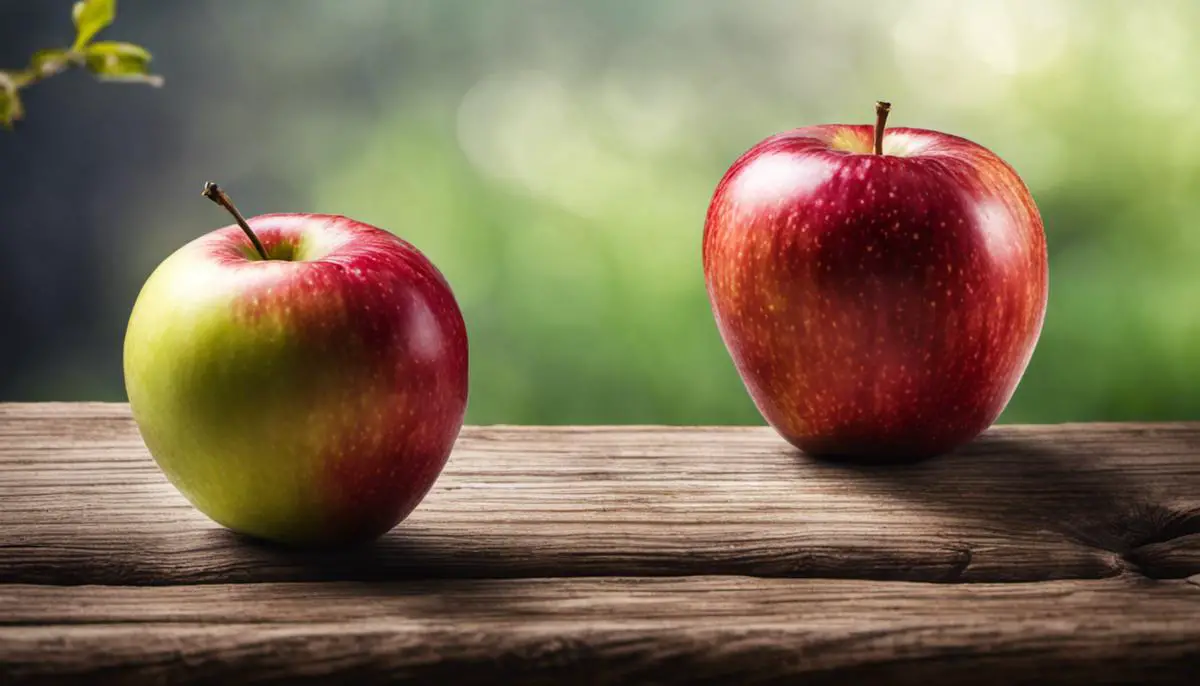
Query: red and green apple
(299,378)
(880,290)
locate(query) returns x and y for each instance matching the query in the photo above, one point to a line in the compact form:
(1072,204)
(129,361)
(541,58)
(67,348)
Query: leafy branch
(108,60)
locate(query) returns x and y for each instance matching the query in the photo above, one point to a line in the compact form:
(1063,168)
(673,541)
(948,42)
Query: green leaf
(10,101)
(121,50)
(113,61)
(91,17)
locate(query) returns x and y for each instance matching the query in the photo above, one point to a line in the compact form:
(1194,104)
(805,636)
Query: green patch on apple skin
(224,405)
(855,139)
(303,401)
(299,247)
(896,142)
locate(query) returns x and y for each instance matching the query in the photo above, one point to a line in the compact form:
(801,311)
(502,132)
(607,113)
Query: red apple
(299,377)
(880,290)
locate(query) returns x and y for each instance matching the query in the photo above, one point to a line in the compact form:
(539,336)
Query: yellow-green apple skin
(309,399)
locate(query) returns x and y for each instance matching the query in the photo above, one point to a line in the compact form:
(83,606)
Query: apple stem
(214,193)
(881,114)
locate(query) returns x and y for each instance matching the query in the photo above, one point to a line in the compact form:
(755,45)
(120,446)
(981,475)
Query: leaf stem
(46,69)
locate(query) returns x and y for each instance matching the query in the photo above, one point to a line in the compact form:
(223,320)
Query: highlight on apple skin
(880,291)
(311,398)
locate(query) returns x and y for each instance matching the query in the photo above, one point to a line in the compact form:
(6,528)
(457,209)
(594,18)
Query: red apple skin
(880,306)
(310,399)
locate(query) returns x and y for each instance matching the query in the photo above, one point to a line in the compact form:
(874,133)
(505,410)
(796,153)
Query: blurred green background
(555,160)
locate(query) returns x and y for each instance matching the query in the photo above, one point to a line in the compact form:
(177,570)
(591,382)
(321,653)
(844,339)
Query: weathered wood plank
(81,502)
(1100,508)
(607,631)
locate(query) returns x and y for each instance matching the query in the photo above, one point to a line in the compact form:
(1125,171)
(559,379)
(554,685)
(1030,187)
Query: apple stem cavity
(881,114)
(214,193)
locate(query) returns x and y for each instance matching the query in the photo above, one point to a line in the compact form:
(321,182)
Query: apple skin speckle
(899,321)
(311,400)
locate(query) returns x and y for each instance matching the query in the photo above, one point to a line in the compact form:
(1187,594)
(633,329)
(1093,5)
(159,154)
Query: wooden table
(616,555)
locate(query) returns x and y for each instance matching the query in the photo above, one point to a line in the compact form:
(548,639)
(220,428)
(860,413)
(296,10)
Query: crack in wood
(1147,538)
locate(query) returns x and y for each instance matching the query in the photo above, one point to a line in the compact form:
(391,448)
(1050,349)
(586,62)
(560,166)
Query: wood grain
(81,502)
(606,555)
(718,630)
